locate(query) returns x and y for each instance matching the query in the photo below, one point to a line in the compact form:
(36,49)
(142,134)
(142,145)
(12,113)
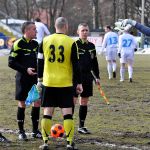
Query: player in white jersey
(109,45)
(127,46)
(42,30)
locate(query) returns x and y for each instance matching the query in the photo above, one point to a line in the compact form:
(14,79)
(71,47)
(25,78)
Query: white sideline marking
(117,146)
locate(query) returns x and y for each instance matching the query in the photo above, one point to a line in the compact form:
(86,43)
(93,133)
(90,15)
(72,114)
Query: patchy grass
(124,124)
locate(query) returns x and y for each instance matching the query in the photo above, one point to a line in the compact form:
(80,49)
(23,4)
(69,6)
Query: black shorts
(23,85)
(57,97)
(87,83)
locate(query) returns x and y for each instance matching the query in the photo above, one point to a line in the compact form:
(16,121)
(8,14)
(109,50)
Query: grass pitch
(124,124)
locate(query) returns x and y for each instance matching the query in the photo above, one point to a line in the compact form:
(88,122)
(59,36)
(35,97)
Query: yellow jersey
(58,71)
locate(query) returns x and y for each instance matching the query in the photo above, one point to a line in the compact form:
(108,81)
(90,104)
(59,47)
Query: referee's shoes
(84,130)
(3,139)
(22,136)
(36,134)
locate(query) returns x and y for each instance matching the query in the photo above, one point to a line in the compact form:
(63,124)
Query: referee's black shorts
(57,97)
(23,85)
(87,83)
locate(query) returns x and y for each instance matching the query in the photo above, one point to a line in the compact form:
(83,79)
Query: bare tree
(95,14)
(114,17)
(61,8)
(100,12)
(52,12)
(17,8)
(125,9)
(100,16)
(6,7)
(27,8)
(36,7)
(54,8)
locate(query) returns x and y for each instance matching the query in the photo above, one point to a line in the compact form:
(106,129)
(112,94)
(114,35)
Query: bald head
(61,25)
(61,22)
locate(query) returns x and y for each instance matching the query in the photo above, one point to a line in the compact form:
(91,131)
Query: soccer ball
(57,130)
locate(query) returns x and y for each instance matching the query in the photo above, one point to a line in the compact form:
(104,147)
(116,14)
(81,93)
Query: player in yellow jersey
(57,66)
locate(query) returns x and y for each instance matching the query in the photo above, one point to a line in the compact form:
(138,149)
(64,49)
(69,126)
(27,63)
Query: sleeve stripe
(40,56)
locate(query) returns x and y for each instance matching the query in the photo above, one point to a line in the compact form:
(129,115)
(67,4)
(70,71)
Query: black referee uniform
(22,56)
(88,61)
(23,59)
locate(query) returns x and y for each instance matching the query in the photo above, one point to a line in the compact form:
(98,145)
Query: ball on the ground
(57,130)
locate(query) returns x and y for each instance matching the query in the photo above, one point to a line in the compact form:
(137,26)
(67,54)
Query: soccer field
(124,124)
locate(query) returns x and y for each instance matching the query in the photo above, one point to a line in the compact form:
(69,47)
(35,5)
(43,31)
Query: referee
(23,59)
(88,62)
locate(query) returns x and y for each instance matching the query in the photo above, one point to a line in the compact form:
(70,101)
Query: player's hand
(39,84)
(128,21)
(31,71)
(119,55)
(79,89)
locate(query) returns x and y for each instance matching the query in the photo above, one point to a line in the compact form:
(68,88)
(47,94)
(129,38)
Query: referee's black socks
(82,115)
(20,118)
(35,113)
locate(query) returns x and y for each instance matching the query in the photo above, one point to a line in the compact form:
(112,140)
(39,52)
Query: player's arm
(75,63)
(46,30)
(40,62)
(144,29)
(40,67)
(119,46)
(13,59)
(104,44)
(135,44)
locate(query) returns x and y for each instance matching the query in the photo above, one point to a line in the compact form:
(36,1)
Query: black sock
(82,115)
(35,113)
(20,118)
(73,107)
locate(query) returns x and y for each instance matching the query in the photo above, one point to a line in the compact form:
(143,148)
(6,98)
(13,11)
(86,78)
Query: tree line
(97,13)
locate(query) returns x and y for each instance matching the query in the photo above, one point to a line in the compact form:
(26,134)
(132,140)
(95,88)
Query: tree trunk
(114,17)
(125,9)
(52,24)
(95,14)
(6,7)
(61,8)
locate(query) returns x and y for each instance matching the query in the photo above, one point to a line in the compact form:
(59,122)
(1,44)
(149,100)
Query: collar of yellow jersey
(83,41)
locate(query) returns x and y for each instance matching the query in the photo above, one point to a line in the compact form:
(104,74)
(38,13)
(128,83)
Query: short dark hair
(38,19)
(108,27)
(84,24)
(25,25)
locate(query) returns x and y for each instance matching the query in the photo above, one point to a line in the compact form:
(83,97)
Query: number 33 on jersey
(57,60)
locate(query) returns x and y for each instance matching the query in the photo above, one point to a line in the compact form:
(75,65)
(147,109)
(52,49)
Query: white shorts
(127,58)
(111,54)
